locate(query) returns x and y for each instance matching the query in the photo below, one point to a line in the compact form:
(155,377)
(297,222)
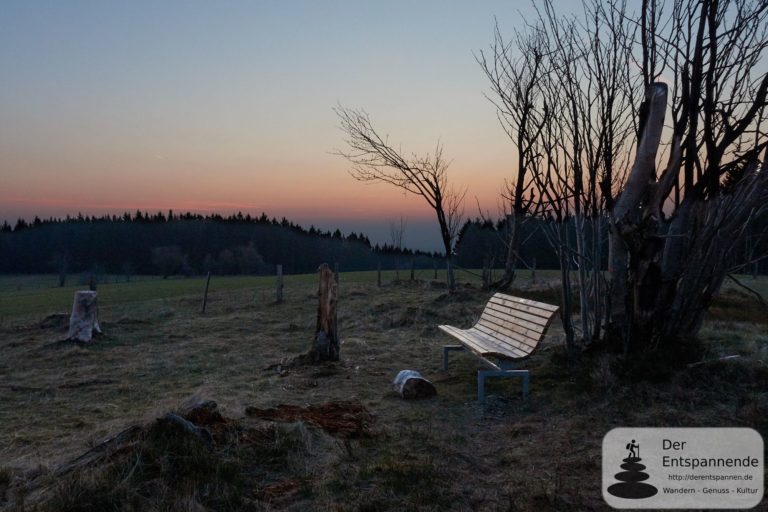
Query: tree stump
(411,384)
(326,345)
(84,319)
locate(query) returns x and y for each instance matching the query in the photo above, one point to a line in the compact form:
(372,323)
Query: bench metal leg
(449,348)
(484,374)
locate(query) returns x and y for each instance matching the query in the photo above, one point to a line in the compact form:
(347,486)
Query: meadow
(158,352)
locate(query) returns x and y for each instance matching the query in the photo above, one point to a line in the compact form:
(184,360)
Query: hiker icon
(631,481)
(632,446)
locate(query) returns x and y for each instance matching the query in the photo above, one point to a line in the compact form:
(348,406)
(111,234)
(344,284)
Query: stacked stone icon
(631,481)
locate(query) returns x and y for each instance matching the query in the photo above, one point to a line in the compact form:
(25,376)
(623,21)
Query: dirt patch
(343,419)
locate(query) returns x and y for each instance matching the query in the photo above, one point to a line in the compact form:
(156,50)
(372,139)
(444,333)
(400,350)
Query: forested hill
(190,244)
(169,244)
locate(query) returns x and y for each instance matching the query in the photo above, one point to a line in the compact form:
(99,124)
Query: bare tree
(374,159)
(677,197)
(515,71)
(673,232)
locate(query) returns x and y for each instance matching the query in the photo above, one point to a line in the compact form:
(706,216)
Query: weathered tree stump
(84,319)
(326,345)
(411,384)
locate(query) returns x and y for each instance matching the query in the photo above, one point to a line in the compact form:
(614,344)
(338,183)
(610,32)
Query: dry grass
(447,453)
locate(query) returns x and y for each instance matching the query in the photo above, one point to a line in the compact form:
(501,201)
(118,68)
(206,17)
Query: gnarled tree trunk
(326,345)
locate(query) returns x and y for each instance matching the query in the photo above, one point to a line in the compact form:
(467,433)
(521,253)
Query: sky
(110,106)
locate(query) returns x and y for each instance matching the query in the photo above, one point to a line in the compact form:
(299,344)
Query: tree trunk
(584,302)
(626,236)
(326,345)
(566,308)
(514,222)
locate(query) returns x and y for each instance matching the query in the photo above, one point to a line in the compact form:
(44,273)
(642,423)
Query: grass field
(30,295)
(448,453)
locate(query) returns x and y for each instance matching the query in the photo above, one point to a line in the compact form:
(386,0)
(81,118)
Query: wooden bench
(509,330)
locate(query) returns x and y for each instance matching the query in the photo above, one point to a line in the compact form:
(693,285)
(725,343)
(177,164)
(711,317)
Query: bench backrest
(519,323)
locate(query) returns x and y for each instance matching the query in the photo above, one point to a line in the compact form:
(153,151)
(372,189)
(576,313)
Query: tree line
(188,244)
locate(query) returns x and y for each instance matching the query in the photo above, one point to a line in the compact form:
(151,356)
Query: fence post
(205,292)
(279,289)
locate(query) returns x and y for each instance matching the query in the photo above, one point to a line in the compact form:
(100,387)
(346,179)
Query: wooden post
(336,272)
(205,292)
(279,290)
(413,269)
(378,275)
(326,345)
(533,271)
(434,265)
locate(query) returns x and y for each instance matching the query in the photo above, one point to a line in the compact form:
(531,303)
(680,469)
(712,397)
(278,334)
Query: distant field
(40,294)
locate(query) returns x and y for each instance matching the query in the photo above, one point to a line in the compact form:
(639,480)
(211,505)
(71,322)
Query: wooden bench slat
(509,335)
(528,302)
(514,343)
(533,331)
(494,340)
(531,310)
(539,325)
(480,346)
(506,337)
(534,334)
(485,344)
(511,311)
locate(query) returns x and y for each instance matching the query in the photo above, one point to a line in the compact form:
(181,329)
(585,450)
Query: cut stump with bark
(326,345)
(411,384)
(84,319)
